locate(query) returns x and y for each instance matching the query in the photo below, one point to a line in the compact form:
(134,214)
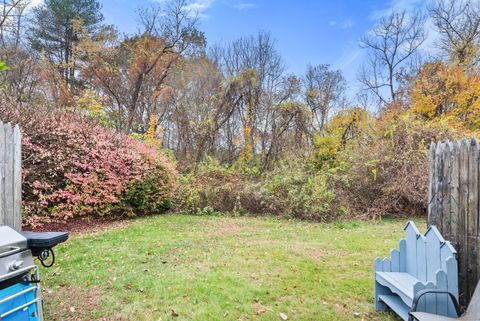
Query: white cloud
(346,24)
(199,7)
(244,5)
(396,6)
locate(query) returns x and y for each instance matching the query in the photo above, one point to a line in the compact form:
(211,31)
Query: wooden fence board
(8,196)
(431,177)
(446,184)
(454,193)
(10,176)
(472,215)
(2,172)
(17,177)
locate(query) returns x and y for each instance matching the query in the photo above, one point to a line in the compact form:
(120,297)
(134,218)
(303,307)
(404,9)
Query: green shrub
(150,195)
(292,189)
(295,189)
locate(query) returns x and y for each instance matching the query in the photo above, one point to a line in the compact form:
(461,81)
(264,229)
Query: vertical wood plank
(2,174)
(8,197)
(445,223)
(402,245)
(430,299)
(452,284)
(472,216)
(446,251)
(442,299)
(17,178)
(454,193)
(439,162)
(386,265)
(395,255)
(411,234)
(475,277)
(421,303)
(421,259)
(462,219)
(432,245)
(432,184)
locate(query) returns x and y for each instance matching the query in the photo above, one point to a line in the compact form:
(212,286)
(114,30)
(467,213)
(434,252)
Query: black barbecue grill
(20,293)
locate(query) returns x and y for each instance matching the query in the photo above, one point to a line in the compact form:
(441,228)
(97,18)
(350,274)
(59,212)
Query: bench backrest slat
(411,233)
(424,255)
(421,259)
(433,242)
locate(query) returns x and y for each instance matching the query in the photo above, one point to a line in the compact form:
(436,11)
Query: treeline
(247,135)
(231,100)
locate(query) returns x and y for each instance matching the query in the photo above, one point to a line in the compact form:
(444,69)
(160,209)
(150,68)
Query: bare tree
(20,84)
(324,91)
(12,15)
(391,45)
(458,22)
(254,64)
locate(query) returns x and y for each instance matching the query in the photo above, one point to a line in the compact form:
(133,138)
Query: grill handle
(12,250)
(15,273)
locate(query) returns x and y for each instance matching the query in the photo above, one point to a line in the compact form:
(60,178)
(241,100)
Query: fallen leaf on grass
(261,310)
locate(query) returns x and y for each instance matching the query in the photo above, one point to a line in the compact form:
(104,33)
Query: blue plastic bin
(28,313)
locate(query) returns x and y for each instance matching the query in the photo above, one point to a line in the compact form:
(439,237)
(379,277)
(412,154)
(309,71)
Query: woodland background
(137,124)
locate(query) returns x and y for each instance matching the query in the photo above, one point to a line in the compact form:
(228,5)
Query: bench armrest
(421,293)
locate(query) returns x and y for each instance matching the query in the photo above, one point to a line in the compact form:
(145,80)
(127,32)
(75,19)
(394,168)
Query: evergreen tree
(56,30)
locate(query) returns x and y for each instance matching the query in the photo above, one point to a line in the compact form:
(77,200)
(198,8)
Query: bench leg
(379,290)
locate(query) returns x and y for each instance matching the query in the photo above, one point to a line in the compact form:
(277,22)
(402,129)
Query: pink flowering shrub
(75,167)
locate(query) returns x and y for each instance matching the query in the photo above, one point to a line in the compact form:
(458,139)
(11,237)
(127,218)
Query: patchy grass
(215,268)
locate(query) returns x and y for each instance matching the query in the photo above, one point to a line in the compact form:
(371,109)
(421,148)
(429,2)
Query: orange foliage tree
(132,75)
(448,93)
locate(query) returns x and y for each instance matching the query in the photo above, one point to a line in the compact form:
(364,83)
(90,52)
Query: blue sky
(307,31)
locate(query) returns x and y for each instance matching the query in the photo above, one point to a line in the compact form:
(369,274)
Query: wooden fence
(454,205)
(10,176)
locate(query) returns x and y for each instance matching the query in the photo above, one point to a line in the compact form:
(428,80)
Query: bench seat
(400,283)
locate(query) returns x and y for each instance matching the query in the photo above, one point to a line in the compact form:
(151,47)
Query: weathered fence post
(454,205)
(10,176)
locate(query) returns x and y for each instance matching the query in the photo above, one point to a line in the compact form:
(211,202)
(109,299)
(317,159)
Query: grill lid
(11,241)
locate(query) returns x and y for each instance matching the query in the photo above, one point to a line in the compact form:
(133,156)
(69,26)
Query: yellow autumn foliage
(342,129)
(153,134)
(448,94)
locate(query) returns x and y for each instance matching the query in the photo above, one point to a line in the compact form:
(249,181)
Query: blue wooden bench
(421,262)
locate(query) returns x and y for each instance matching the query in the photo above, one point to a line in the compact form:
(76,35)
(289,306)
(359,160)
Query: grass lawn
(182,267)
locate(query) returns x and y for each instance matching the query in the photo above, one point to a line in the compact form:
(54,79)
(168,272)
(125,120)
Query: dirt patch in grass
(72,303)
(226,229)
(82,225)
(316,253)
